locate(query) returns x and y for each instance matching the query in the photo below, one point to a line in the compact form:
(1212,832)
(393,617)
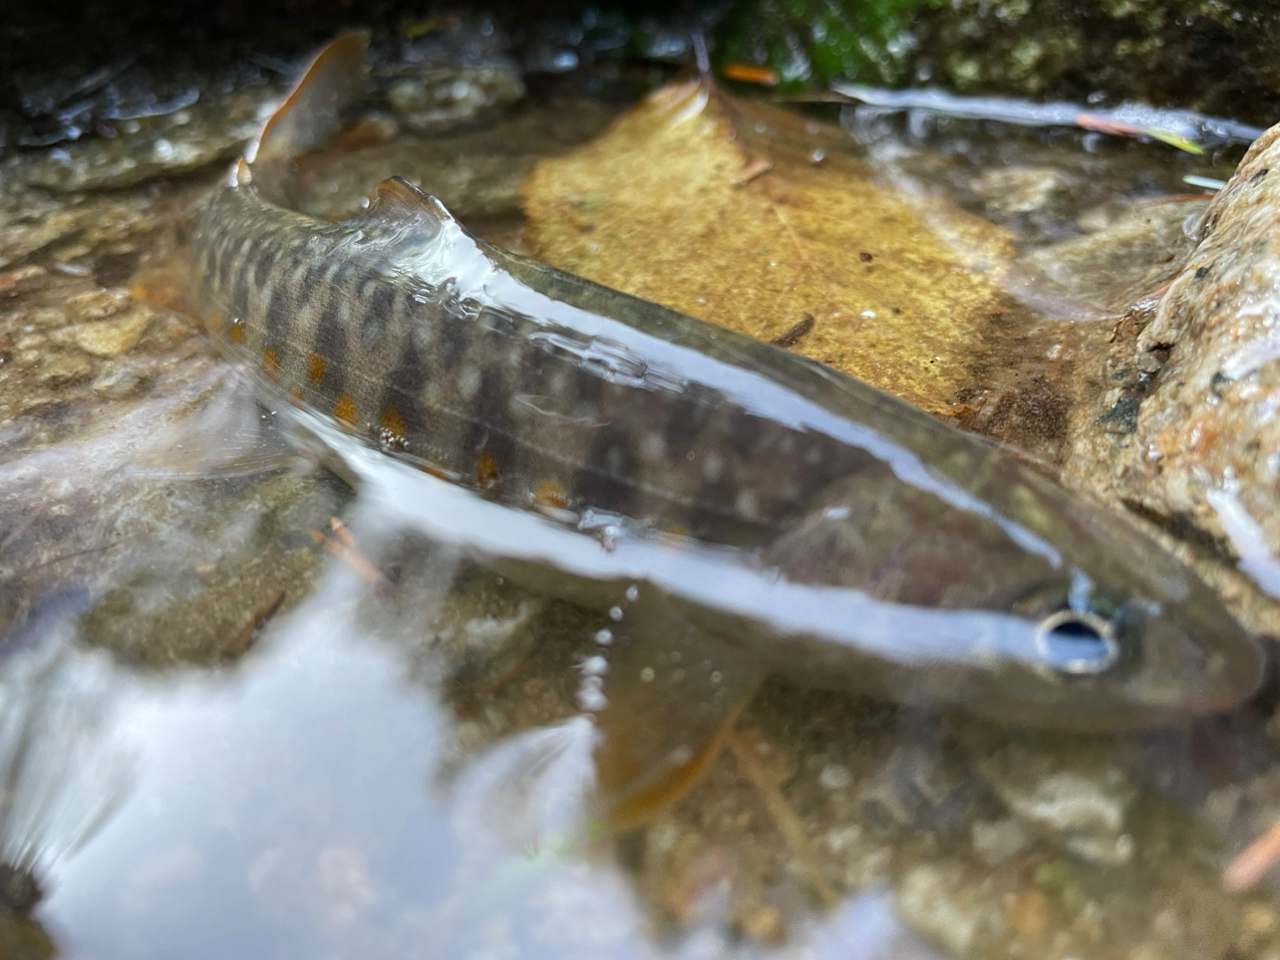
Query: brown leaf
(748,216)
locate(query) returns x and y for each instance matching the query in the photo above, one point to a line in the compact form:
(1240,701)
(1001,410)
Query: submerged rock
(213,127)
(435,100)
(1072,793)
(1198,377)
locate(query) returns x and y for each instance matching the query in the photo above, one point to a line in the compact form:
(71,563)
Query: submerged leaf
(753,218)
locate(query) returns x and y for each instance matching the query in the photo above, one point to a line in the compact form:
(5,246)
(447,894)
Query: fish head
(1013,599)
(1122,634)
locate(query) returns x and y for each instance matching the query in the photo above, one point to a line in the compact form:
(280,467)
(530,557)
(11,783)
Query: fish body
(740,490)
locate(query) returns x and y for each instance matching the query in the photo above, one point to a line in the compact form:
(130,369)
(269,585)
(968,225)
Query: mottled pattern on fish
(546,392)
(535,413)
(514,405)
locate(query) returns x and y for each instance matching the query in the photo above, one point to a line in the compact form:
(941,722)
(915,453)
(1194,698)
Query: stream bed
(244,713)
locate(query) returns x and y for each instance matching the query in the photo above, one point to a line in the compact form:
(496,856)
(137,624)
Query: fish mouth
(1224,662)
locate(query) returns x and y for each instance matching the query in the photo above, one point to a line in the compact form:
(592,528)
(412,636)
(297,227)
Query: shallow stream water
(232,727)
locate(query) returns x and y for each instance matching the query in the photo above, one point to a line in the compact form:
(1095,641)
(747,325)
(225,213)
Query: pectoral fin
(674,693)
(225,433)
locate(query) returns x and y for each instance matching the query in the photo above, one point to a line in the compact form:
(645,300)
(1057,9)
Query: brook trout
(725,492)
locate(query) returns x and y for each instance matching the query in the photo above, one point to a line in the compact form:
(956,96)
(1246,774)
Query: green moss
(810,42)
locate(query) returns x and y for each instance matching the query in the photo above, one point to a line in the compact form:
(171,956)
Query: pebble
(65,368)
(763,923)
(46,317)
(1259,920)
(1078,798)
(998,841)
(109,338)
(97,304)
(941,902)
(435,100)
(835,776)
(22,279)
(116,384)
(1029,914)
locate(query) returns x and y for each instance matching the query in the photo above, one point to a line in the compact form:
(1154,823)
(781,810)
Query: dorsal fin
(398,199)
(313,111)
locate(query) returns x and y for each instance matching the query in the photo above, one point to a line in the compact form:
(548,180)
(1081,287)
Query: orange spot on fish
(391,421)
(270,365)
(549,493)
(315,368)
(345,410)
(296,393)
(236,333)
(215,323)
(391,429)
(486,470)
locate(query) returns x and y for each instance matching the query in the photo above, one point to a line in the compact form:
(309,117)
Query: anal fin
(674,693)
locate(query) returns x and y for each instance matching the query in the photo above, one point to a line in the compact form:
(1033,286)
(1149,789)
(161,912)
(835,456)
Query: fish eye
(1079,644)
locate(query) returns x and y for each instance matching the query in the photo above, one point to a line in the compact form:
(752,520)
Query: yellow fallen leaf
(735,212)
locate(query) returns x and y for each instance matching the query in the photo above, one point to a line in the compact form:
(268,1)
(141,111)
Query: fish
(737,509)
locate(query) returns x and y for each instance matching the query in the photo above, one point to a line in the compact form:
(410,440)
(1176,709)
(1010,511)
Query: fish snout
(1191,660)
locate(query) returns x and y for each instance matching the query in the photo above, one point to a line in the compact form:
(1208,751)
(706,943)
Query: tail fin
(313,111)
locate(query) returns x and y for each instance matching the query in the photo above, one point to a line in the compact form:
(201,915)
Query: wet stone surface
(1200,449)
(216,126)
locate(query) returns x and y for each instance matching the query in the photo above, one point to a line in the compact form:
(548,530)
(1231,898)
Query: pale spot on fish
(653,447)
(712,467)
(469,381)
(747,504)
(422,334)
(813,456)
(613,460)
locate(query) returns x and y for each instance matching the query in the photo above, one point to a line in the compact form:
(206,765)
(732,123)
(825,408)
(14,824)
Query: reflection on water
(284,805)
(409,773)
